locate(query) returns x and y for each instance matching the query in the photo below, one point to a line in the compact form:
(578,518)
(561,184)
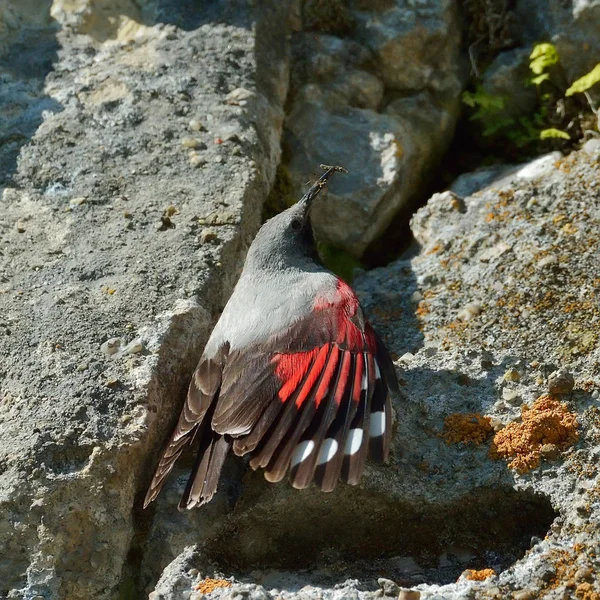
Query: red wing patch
(345,319)
(343,299)
(332,365)
(344,374)
(291,368)
(359,369)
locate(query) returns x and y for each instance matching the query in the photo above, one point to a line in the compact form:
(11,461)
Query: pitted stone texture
(99,163)
(415,44)
(440,506)
(382,102)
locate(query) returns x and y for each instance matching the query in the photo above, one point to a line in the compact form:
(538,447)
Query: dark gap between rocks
(463,156)
(165,393)
(369,536)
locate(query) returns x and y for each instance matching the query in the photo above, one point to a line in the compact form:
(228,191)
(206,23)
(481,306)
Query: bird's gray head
(287,238)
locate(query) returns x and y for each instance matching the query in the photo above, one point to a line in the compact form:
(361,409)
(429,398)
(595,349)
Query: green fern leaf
(586,82)
(546,134)
(542,56)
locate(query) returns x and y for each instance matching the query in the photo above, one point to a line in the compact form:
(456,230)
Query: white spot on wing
(328,450)
(365,378)
(377,371)
(377,424)
(353,442)
(302,452)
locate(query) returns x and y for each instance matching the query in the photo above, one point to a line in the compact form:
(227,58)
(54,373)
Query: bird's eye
(296,224)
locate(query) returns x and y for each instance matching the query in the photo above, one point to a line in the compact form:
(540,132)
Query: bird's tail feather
(204,478)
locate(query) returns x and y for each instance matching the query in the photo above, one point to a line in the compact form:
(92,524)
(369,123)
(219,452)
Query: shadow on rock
(392,305)
(27,56)
(353,531)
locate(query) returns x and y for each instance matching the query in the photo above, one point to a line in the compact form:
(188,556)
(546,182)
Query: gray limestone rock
(179,578)
(138,141)
(93,159)
(382,102)
(450,500)
(501,174)
(415,44)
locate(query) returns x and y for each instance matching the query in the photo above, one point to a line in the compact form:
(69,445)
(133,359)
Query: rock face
(138,142)
(494,465)
(380,98)
(130,145)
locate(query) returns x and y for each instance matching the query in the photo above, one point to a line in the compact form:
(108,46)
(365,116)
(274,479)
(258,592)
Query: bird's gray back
(264,304)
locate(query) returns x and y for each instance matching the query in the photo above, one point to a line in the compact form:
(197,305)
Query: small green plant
(583,84)
(552,132)
(542,57)
(554,110)
(489,110)
(495,122)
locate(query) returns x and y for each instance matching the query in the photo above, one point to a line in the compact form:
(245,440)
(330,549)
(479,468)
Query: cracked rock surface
(109,284)
(376,90)
(138,143)
(482,326)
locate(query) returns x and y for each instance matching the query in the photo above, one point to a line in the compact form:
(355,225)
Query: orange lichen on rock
(588,386)
(435,249)
(209,585)
(546,421)
(423,309)
(479,575)
(585,591)
(468,428)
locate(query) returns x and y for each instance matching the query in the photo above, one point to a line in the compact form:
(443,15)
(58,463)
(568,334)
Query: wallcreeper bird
(293,374)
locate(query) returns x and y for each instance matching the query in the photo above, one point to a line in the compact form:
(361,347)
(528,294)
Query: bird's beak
(320,184)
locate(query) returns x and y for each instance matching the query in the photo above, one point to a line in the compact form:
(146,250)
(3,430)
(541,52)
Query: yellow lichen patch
(547,421)
(468,428)
(571,307)
(564,563)
(109,90)
(585,591)
(573,573)
(496,212)
(479,575)
(435,249)
(209,585)
(580,338)
(569,229)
